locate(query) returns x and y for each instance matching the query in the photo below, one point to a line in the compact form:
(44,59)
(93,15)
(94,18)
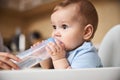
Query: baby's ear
(88,32)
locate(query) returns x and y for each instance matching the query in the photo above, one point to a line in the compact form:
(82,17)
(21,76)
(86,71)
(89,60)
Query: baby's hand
(36,44)
(56,50)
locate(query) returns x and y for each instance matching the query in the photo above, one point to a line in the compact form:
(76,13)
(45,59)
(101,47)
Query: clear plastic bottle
(34,55)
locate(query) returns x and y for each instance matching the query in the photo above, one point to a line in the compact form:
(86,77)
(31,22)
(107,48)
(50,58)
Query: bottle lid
(50,40)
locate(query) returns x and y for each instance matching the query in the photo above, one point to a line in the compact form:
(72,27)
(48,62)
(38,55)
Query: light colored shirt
(84,56)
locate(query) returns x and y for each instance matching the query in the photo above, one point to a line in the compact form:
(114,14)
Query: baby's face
(67,28)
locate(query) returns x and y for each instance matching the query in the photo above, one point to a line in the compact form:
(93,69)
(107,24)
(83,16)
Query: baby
(74,24)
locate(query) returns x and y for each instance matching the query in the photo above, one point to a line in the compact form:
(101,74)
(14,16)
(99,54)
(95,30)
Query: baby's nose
(56,34)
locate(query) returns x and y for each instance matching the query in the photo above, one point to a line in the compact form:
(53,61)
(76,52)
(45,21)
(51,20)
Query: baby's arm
(61,64)
(58,55)
(47,64)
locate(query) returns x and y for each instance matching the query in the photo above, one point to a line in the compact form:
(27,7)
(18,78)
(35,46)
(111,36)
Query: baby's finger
(52,46)
(35,44)
(43,41)
(48,50)
(59,44)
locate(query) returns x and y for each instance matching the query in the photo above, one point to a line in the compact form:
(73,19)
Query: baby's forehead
(68,12)
(71,12)
(72,6)
(71,9)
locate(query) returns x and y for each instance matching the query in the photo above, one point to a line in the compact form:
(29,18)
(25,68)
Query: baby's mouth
(59,40)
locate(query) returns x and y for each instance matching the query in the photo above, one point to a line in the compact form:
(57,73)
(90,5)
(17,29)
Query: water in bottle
(34,55)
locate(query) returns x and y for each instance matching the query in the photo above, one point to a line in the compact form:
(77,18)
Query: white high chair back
(109,50)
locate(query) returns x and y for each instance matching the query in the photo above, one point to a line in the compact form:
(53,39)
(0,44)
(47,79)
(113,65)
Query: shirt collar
(83,47)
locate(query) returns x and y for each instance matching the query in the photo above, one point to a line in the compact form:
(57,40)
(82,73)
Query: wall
(8,25)
(109,15)
(41,24)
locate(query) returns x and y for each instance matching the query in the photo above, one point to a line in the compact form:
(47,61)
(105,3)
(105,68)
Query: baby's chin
(69,49)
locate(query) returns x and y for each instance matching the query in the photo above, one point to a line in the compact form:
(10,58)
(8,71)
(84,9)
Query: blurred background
(28,21)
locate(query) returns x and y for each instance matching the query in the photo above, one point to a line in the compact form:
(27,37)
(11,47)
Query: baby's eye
(54,27)
(64,26)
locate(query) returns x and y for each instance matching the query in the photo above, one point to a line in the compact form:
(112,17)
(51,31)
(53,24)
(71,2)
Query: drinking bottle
(34,55)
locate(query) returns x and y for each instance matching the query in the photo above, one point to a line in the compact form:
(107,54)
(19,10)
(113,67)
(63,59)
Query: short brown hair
(86,9)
